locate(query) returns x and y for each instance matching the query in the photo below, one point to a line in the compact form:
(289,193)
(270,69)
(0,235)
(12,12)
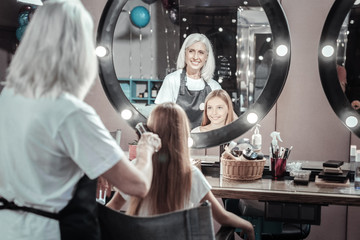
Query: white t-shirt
(170,87)
(46,146)
(199,188)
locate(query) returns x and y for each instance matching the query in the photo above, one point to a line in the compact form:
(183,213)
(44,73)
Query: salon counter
(284,191)
(266,189)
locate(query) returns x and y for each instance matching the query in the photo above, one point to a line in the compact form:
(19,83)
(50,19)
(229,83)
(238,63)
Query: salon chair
(254,211)
(194,223)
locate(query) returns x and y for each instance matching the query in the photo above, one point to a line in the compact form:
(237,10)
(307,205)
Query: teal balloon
(20,32)
(140,16)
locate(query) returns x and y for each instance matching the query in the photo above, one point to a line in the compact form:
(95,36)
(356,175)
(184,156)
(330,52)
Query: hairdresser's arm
(227,218)
(136,179)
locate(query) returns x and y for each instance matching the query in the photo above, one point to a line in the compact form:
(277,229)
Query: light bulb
(101,51)
(281,50)
(126,114)
(351,121)
(327,51)
(252,118)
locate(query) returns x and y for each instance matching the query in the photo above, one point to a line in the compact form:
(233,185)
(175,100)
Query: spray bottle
(275,136)
(274,148)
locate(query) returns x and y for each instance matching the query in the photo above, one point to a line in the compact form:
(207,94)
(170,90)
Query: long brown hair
(171,183)
(226,98)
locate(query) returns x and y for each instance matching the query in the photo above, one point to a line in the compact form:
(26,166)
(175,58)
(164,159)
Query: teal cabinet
(131,90)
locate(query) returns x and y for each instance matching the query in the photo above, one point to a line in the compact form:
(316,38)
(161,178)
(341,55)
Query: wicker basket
(242,169)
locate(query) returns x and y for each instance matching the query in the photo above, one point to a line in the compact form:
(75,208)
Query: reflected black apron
(78,220)
(190,101)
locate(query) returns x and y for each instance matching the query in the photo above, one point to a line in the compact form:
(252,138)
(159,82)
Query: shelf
(130,89)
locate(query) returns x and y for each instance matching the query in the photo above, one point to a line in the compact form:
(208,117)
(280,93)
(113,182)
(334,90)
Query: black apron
(78,220)
(190,101)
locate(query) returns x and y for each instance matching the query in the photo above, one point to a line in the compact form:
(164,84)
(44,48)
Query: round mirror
(251,47)
(338,61)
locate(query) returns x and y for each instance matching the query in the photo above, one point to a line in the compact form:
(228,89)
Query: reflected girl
(218,111)
(192,82)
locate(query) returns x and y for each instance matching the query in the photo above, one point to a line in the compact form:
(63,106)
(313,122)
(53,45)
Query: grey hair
(207,71)
(56,53)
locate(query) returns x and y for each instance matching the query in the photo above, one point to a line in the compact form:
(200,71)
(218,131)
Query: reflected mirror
(251,46)
(338,61)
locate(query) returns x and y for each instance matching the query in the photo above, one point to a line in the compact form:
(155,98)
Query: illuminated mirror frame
(327,66)
(266,100)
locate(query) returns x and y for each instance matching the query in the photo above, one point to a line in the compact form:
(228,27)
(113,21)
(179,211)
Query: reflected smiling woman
(189,85)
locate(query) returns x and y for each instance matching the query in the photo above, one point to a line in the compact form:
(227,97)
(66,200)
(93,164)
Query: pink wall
(304,116)
(97,97)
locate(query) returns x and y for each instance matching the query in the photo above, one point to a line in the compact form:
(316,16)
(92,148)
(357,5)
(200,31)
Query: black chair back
(189,224)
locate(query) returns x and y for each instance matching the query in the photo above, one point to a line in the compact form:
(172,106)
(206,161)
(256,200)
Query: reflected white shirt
(170,87)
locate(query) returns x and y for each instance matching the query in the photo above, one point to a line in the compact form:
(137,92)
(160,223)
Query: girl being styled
(176,183)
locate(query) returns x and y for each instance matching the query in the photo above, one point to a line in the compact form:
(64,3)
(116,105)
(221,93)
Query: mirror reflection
(146,50)
(140,53)
(337,62)
(348,56)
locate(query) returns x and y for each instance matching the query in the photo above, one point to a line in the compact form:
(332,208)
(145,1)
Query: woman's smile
(195,58)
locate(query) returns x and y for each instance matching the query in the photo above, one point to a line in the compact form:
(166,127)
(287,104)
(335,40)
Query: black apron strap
(182,82)
(78,220)
(12,206)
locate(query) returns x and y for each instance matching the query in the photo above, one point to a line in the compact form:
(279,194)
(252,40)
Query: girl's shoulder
(206,128)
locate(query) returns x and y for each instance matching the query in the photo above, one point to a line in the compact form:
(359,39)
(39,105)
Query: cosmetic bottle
(154,91)
(352,153)
(256,139)
(146,94)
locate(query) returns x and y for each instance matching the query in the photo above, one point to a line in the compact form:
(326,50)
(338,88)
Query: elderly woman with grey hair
(53,146)
(192,82)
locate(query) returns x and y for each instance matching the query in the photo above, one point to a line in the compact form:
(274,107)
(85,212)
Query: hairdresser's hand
(103,188)
(148,144)
(355,104)
(150,141)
